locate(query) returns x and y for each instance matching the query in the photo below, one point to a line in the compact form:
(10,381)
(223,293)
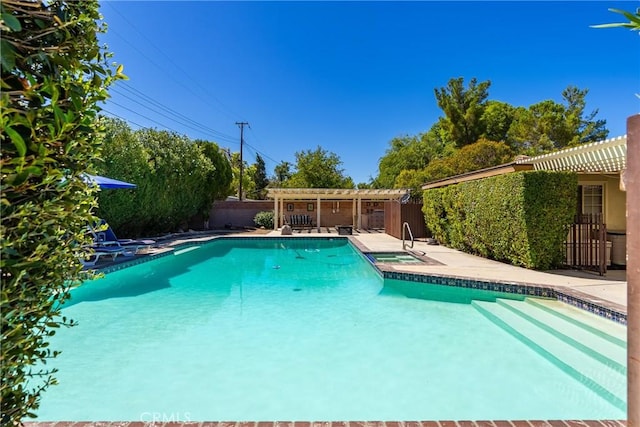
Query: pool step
(607,329)
(556,341)
(582,338)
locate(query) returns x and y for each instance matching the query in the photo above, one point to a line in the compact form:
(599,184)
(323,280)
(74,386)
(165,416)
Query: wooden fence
(395,214)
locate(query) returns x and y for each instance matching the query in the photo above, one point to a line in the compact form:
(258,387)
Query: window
(591,199)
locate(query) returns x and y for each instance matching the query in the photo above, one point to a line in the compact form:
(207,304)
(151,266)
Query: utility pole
(242,125)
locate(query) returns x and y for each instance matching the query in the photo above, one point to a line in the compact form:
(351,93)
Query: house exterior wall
(337,213)
(614,199)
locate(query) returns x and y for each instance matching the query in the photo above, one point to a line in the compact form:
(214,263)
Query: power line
(177,117)
(146,127)
(143,116)
(154,102)
(225,150)
(174,115)
(233,115)
(261,153)
(122,118)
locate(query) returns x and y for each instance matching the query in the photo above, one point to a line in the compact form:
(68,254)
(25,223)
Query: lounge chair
(104,236)
(96,252)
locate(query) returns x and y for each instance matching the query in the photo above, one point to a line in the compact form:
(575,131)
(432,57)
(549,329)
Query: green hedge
(176,179)
(54,76)
(521,218)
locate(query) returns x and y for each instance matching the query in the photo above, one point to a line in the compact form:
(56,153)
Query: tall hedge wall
(521,218)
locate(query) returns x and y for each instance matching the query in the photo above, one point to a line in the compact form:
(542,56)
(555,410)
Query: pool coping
(481,423)
(599,307)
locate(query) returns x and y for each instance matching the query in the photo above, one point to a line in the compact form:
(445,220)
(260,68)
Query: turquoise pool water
(294,329)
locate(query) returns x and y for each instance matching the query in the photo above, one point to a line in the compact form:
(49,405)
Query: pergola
(605,156)
(280,195)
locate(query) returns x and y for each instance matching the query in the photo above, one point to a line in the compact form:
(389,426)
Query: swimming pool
(301,329)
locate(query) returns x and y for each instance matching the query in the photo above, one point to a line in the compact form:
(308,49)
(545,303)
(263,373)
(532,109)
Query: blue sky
(350,76)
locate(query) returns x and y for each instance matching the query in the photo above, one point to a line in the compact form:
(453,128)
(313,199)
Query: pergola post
(354,214)
(318,200)
(359,213)
(276,214)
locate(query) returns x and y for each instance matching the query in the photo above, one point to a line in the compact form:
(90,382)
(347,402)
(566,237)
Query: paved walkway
(610,290)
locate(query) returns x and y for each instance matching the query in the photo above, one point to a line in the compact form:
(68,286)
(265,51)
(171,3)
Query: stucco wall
(614,199)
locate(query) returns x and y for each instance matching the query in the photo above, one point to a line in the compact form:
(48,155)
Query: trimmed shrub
(176,179)
(521,218)
(264,219)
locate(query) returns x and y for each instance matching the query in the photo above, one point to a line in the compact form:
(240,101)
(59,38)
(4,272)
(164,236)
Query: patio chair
(105,236)
(97,252)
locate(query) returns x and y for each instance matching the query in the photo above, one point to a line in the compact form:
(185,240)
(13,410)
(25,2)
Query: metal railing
(406,227)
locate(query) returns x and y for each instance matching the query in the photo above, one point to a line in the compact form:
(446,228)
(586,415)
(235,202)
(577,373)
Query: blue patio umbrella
(107,183)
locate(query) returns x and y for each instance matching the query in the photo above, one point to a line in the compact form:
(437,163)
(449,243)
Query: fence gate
(586,245)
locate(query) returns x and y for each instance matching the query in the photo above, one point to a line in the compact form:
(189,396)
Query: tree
(583,127)
(176,179)
(497,119)
(260,178)
(282,173)
(483,154)
(480,155)
(410,153)
(218,181)
(463,109)
(548,125)
(633,24)
(413,180)
(248,185)
(318,169)
(54,74)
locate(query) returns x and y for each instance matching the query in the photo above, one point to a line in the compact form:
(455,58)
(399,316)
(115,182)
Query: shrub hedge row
(521,218)
(176,179)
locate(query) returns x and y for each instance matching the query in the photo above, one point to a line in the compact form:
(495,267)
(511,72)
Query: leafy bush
(53,75)
(264,219)
(521,218)
(176,179)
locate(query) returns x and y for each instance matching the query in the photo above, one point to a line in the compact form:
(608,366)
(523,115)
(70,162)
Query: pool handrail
(406,226)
